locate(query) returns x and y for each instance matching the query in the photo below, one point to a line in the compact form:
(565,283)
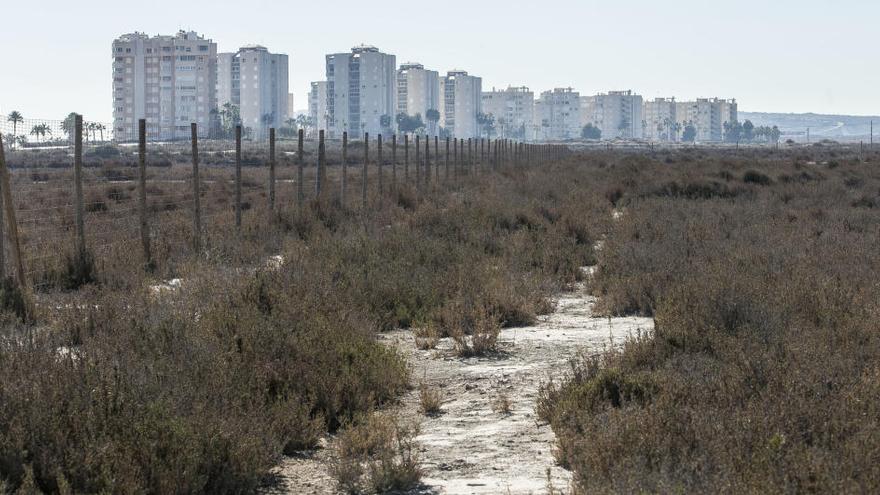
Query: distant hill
(836,127)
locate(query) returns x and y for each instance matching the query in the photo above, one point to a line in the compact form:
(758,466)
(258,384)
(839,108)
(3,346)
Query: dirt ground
(469,448)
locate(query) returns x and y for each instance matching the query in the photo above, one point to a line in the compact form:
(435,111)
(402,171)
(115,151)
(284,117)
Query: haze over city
(773,57)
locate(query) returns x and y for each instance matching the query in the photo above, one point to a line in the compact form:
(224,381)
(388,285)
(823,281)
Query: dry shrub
(473,328)
(501,403)
(761,374)
(430,400)
(378,454)
(427,336)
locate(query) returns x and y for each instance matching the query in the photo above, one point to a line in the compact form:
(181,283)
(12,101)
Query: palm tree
(40,131)
(68,124)
(15,117)
(433,116)
(101,128)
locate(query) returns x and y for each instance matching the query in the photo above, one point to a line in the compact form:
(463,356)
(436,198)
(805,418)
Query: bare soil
(471,447)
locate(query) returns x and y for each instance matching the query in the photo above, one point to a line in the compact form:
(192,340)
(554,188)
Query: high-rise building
(660,119)
(618,114)
(168,80)
(256,81)
(558,114)
(462,102)
(729,111)
(514,111)
(291,108)
(318,112)
(418,91)
(361,91)
(707,115)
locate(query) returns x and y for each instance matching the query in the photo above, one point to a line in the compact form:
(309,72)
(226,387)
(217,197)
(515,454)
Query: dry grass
(501,404)
(430,400)
(378,454)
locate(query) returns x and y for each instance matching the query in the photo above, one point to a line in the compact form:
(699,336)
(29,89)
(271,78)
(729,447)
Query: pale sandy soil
(469,448)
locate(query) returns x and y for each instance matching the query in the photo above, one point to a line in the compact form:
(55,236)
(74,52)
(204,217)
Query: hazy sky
(780,55)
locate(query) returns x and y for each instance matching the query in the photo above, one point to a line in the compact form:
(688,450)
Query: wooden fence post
(142,193)
(77,180)
(447,158)
(456,164)
(197,213)
(483,153)
(379,166)
(344,167)
(271,173)
(238,177)
(470,157)
(366,165)
(437,158)
(406,157)
(427,160)
(394,162)
(300,159)
(319,175)
(418,163)
(11,224)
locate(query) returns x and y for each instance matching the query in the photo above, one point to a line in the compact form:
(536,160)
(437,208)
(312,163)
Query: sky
(819,56)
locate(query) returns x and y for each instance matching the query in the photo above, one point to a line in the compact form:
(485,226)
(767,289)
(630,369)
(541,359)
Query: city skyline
(765,65)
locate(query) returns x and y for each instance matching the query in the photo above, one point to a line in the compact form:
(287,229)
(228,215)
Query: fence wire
(43,185)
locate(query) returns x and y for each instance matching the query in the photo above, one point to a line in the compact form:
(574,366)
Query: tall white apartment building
(318,112)
(168,80)
(462,102)
(256,81)
(706,115)
(729,111)
(418,90)
(361,91)
(514,111)
(660,119)
(558,114)
(291,108)
(618,114)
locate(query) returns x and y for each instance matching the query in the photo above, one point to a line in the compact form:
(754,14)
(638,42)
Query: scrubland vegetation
(763,372)
(126,387)
(762,375)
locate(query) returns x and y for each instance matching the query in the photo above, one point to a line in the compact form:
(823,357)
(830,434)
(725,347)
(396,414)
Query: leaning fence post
(366,165)
(300,192)
(197,214)
(271,172)
(142,181)
(77,181)
(11,225)
(238,177)
(344,167)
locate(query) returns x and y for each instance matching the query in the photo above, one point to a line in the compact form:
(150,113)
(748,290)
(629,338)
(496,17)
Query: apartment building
(462,102)
(361,91)
(514,111)
(660,119)
(729,111)
(418,90)
(318,112)
(558,115)
(618,114)
(168,80)
(256,81)
(705,114)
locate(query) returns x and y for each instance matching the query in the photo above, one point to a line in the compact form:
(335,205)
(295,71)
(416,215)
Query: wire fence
(157,199)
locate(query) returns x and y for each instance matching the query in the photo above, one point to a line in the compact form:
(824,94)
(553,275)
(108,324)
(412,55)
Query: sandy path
(469,448)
